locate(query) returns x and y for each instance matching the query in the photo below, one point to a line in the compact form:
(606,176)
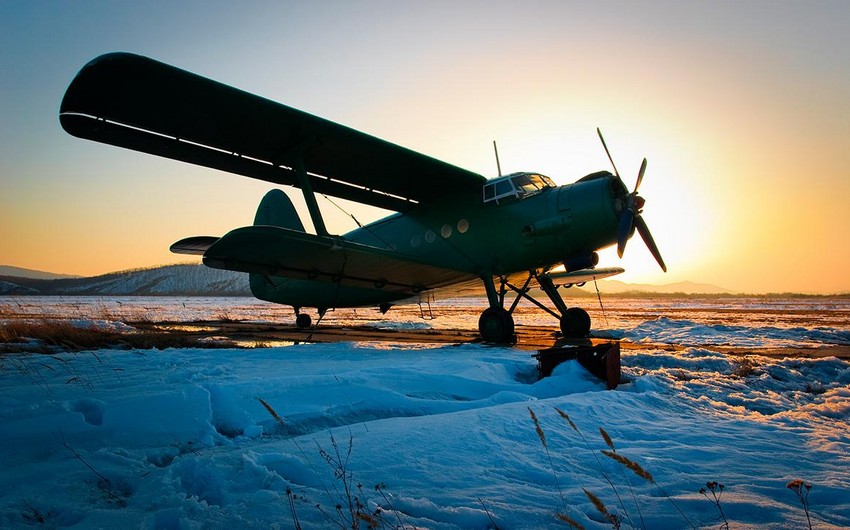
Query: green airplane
(452,228)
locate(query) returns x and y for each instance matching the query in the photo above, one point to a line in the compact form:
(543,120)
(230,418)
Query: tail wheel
(303,320)
(575,323)
(496,325)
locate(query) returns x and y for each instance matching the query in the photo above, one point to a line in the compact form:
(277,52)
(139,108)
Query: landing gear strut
(496,323)
(574,321)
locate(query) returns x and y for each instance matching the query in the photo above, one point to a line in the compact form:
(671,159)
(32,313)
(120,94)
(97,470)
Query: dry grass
(614,519)
(350,510)
(50,336)
(744,368)
(569,520)
(629,464)
(271,411)
(716,490)
(802,488)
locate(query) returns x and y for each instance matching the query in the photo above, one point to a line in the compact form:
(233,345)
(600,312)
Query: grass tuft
(269,408)
(744,368)
(542,437)
(630,464)
(608,441)
(614,519)
(569,520)
(540,433)
(567,417)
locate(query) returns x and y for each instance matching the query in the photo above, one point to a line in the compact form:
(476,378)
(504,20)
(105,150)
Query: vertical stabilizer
(276,209)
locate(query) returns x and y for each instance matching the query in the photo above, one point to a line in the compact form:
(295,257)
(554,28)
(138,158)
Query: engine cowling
(578,263)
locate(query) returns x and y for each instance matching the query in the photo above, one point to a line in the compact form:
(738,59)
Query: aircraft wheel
(575,323)
(303,320)
(496,325)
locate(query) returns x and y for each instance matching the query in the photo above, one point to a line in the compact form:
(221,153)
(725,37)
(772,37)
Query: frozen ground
(181,439)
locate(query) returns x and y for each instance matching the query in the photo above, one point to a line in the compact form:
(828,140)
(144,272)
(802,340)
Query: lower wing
(584,275)
(281,252)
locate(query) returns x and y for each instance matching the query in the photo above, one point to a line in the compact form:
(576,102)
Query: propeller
(630,218)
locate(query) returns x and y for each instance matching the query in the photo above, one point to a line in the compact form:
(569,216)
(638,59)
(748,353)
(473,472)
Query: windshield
(528,183)
(517,186)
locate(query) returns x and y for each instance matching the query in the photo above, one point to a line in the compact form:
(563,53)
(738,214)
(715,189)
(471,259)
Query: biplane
(451,226)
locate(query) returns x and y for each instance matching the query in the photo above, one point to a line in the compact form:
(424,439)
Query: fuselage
(515,234)
(519,232)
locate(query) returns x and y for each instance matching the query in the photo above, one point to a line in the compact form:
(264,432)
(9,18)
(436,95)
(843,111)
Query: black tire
(303,320)
(496,325)
(575,323)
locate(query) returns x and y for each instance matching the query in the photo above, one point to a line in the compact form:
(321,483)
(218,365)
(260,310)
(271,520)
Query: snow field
(184,441)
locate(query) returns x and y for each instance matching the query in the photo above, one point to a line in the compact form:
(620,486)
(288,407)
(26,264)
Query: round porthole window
(415,241)
(430,236)
(446,231)
(462,226)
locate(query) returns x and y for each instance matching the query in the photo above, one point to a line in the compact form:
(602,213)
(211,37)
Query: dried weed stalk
(802,489)
(716,490)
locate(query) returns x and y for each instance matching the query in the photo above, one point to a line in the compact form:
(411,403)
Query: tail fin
(277,210)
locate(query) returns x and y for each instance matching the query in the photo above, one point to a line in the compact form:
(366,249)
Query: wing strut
(310,197)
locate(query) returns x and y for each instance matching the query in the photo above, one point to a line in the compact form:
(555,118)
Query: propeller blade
(624,231)
(647,238)
(607,152)
(640,175)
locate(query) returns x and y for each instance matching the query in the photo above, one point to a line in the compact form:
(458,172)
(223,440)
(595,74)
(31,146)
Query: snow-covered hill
(176,280)
(20,272)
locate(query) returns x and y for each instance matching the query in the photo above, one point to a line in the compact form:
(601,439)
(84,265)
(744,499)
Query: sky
(741,109)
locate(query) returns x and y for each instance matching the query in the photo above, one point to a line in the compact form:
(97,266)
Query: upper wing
(274,251)
(135,102)
(585,275)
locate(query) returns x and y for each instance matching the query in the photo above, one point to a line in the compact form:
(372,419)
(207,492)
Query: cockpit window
(504,188)
(516,186)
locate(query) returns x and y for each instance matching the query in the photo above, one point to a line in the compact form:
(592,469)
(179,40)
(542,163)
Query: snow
(686,332)
(182,438)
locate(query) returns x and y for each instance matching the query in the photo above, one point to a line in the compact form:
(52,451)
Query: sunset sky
(741,108)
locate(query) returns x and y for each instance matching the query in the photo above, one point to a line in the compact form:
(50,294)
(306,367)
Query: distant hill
(169,280)
(618,287)
(18,272)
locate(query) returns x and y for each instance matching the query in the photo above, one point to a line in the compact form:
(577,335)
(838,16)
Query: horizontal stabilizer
(195,245)
(282,252)
(585,275)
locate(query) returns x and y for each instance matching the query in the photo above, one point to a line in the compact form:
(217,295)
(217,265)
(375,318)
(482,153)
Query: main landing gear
(303,320)
(496,323)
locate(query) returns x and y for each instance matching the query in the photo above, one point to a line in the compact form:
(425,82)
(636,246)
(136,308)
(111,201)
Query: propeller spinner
(630,218)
